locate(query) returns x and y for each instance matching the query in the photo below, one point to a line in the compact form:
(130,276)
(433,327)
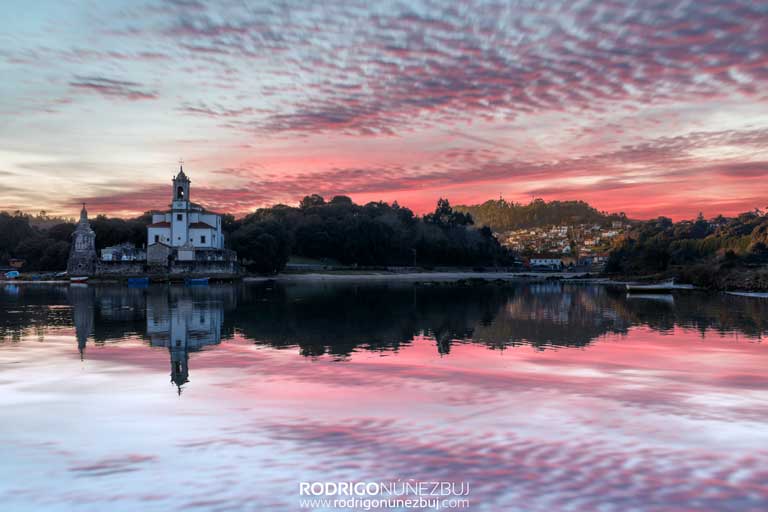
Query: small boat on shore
(196,281)
(78,279)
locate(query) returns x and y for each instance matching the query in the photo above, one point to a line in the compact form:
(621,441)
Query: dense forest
(501,215)
(374,234)
(716,253)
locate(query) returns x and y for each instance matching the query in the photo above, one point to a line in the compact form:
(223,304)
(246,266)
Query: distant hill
(500,215)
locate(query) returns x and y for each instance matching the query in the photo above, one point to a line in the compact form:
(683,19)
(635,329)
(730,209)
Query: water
(541,397)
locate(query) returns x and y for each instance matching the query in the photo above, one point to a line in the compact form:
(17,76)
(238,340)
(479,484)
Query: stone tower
(82,253)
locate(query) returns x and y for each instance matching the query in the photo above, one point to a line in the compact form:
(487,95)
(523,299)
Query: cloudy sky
(652,108)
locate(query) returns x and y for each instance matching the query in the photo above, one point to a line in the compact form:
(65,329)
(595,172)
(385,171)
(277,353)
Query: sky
(650,108)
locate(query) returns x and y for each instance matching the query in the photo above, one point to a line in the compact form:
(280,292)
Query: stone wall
(158,254)
(211,268)
(176,268)
(120,268)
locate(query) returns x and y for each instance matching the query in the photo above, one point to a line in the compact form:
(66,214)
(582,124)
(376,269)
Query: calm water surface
(544,397)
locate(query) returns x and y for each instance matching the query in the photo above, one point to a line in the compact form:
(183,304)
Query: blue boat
(13,274)
(138,282)
(196,281)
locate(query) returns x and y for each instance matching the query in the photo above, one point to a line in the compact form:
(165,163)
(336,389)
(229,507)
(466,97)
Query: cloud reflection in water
(543,397)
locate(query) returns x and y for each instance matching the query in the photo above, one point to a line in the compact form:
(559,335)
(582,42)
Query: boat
(664,286)
(196,281)
(138,282)
(13,274)
(78,279)
(757,295)
(667,298)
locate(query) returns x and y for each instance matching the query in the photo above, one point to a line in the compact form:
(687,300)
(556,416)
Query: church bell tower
(180,209)
(180,189)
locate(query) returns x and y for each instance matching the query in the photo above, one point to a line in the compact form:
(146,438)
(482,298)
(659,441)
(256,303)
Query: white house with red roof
(187,228)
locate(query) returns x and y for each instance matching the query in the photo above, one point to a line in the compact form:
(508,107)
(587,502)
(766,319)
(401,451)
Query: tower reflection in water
(183,325)
(81,298)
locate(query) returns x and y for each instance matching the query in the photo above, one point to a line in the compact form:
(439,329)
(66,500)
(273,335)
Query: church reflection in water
(183,320)
(183,325)
(337,320)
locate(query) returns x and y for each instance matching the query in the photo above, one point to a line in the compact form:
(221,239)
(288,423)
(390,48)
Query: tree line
(374,234)
(338,230)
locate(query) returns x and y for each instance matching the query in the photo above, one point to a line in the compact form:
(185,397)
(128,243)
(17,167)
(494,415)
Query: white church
(186,232)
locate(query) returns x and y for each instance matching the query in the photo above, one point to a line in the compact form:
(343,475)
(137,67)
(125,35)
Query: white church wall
(163,234)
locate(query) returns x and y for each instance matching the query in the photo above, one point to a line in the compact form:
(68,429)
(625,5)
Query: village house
(545,262)
(123,252)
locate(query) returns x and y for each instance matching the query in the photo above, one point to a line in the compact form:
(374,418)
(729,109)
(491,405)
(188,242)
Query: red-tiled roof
(160,225)
(201,225)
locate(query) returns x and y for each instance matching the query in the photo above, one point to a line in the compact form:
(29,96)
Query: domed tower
(82,252)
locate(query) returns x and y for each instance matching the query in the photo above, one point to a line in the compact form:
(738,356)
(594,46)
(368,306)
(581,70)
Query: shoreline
(378,276)
(414,277)
(433,276)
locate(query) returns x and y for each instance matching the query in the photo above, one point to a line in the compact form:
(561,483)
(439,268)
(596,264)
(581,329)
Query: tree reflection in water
(338,319)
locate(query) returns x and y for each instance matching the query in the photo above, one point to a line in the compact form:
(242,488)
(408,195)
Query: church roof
(181,175)
(160,225)
(201,225)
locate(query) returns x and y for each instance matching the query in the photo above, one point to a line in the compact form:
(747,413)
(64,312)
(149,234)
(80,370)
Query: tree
(444,215)
(341,200)
(229,224)
(310,201)
(62,232)
(262,246)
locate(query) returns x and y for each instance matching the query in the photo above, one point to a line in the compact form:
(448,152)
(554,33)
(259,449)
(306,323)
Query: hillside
(719,253)
(501,215)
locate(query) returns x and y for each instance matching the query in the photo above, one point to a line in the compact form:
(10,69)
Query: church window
(157,238)
(202,239)
(179,216)
(180,193)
